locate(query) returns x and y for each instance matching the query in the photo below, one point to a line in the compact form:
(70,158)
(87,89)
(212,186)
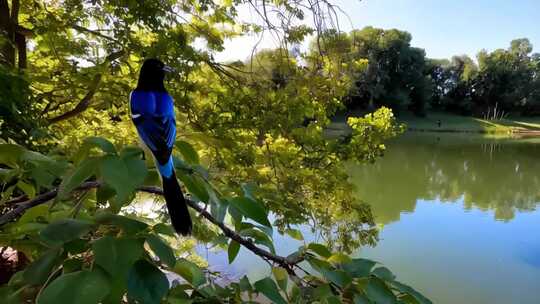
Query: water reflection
(498,175)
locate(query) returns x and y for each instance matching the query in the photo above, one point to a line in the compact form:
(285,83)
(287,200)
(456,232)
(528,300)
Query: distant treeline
(498,83)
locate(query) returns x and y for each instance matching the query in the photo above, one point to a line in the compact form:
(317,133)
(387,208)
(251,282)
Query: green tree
(396,72)
(506,78)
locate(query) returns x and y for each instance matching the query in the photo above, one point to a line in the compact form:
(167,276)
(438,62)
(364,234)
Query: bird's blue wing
(158,132)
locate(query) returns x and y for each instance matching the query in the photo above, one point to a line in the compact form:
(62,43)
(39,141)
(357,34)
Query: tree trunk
(7,31)
(14,36)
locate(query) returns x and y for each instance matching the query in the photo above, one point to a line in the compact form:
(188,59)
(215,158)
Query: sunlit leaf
(281,276)
(295,234)
(320,250)
(251,209)
(99,142)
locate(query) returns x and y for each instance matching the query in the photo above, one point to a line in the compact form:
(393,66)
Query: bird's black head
(152,75)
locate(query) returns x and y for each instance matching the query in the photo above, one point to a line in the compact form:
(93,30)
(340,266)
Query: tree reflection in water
(489,174)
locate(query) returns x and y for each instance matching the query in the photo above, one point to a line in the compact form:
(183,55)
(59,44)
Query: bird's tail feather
(176,205)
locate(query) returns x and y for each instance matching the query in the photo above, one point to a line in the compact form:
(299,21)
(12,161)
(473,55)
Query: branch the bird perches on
(23,204)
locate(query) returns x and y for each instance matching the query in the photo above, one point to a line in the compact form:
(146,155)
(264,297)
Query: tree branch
(83,104)
(92,89)
(286,263)
(93,32)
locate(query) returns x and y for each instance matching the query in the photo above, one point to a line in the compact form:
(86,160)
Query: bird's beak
(168,69)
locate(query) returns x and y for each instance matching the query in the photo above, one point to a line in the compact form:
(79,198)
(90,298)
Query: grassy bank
(518,126)
(456,123)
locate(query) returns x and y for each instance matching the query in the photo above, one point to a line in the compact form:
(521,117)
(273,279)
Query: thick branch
(85,102)
(284,262)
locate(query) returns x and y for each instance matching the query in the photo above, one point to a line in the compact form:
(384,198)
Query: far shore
(439,122)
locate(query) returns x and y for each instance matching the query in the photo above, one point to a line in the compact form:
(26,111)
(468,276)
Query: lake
(458,217)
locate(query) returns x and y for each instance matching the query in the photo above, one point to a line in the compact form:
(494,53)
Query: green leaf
(378,292)
(281,277)
(128,225)
(10,154)
(146,283)
(269,289)
(9,295)
(411,291)
(28,189)
(177,295)
(244,284)
(188,152)
(117,255)
(115,174)
(190,272)
(104,193)
(118,287)
(333,300)
(295,293)
(407,299)
(338,277)
(218,207)
(77,176)
(259,237)
(162,250)
(359,267)
(99,142)
(295,234)
(361,299)
(132,151)
(81,287)
(72,265)
(76,246)
(38,272)
(124,175)
(323,291)
(33,213)
(384,273)
(320,250)
(251,209)
(65,230)
(164,229)
(195,185)
(45,168)
(234,248)
(339,258)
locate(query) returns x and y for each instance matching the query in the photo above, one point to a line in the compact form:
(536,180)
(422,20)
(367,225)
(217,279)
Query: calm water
(458,214)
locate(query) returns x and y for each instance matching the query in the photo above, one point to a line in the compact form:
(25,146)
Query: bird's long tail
(177,206)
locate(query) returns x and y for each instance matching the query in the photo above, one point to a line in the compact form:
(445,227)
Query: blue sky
(450,27)
(442,27)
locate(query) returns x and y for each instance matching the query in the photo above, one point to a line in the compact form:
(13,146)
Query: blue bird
(152,112)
